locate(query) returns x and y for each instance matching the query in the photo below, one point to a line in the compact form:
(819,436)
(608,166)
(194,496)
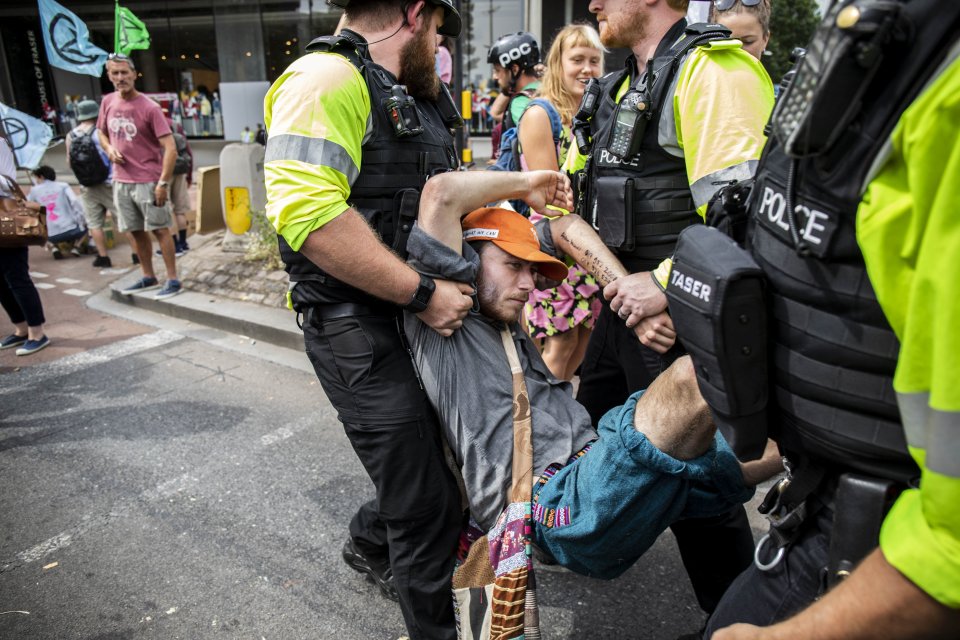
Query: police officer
(356,127)
(685,116)
(852,234)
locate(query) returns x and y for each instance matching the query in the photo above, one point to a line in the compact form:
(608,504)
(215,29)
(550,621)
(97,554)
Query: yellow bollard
(466,105)
(238,209)
(467,155)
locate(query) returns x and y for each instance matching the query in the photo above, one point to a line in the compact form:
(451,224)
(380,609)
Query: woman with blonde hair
(561,317)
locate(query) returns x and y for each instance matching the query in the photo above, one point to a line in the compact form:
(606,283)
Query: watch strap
(421,297)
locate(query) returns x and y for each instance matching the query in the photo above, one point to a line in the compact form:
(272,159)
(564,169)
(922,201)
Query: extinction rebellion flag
(68,41)
(28,135)
(130,31)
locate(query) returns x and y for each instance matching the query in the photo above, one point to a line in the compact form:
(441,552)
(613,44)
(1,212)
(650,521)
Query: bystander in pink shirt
(134,128)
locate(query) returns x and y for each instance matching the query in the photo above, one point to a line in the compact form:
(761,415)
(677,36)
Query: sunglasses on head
(724,5)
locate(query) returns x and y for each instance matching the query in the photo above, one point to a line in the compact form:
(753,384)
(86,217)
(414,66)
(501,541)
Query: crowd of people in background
(566,254)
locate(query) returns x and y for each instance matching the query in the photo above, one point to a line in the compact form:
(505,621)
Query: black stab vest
(393,171)
(657,204)
(833,352)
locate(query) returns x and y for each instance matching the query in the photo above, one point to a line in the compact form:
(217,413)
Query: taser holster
(716,297)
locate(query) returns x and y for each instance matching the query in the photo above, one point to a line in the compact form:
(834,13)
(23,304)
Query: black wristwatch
(422,295)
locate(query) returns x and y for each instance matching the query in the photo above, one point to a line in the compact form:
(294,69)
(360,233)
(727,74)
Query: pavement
(222,290)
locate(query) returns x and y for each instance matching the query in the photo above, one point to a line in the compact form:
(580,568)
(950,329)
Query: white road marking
(58,541)
(38,274)
(169,488)
(68,281)
(63,539)
(76,292)
(287,431)
(44,285)
(80,361)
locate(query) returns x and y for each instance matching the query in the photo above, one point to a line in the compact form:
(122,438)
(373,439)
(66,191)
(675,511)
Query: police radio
(826,93)
(401,108)
(448,109)
(630,123)
(581,121)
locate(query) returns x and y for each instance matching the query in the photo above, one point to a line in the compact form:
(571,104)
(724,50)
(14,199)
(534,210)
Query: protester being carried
(562,317)
(652,461)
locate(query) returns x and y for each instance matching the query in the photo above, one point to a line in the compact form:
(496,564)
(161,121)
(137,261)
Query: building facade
(211,61)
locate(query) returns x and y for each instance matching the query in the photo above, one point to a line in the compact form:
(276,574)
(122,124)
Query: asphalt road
(181,483)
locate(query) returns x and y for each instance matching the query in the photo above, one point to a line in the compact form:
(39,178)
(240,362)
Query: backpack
(85,159)
(509,157)
(184,161)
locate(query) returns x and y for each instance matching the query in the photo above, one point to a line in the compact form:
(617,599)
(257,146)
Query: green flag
(130,32)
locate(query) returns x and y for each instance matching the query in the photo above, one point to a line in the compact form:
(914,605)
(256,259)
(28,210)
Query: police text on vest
(774,204)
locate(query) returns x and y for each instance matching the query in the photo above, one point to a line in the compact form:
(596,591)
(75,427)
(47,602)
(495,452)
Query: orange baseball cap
(514,234)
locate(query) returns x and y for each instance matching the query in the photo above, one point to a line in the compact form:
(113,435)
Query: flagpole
(116,26)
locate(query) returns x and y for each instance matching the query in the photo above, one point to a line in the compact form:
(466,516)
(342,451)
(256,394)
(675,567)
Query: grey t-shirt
(469,384)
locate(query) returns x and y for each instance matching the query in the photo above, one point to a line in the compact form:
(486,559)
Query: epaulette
(342,44)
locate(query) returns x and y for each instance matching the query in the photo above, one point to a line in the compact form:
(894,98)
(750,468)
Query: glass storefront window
(288,28)
(205,50)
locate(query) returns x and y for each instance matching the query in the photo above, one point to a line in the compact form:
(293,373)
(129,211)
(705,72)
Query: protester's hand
(768,465)
(548,188)
(448,306)
(635,297)
(656,332)
(160,195)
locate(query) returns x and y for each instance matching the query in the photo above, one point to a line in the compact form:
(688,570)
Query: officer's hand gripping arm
(574,237)
(635,297)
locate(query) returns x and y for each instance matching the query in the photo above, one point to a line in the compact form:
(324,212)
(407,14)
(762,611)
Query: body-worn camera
(401,108)
(581,121)
(630,123)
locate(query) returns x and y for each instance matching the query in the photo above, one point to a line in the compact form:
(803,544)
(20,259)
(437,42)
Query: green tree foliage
(792,23)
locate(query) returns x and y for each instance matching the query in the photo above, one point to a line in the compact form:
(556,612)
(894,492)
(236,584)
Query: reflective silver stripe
(667,127)
(318,151)
(705,188)
(936,432)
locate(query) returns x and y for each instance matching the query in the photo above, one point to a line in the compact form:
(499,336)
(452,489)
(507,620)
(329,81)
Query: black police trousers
(714,550)
(764,598)
(367,374)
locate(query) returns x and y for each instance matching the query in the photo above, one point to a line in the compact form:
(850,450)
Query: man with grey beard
(356,127)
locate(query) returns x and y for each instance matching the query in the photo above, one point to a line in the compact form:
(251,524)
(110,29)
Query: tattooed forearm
(579,241)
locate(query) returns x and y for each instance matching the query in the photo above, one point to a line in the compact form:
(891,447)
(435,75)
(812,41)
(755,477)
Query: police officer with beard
(683,118)
(356,128)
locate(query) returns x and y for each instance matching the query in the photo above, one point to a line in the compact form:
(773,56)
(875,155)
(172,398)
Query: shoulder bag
(493,583)
(19,225)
